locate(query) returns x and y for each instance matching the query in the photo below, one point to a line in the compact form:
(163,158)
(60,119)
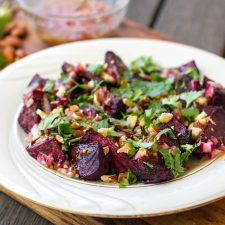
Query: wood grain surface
(195,22)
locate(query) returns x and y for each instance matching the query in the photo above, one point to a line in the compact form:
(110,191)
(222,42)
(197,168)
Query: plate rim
(166,212)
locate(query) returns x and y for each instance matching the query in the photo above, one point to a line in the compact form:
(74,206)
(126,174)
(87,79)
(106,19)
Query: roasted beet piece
(36,82)
(48,146)
(185,83)
(115,107)
(218,98)
(67,68)
(157,173)
(90,160)
(28,117)
(121,162)
(89,76)
(115,65)
(187,65)
(216,129)
(180,130)
(164,139)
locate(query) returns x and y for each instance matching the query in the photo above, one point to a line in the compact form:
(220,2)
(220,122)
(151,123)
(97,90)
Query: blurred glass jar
(60,21)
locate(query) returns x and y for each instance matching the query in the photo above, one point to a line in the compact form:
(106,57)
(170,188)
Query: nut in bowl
(64,21)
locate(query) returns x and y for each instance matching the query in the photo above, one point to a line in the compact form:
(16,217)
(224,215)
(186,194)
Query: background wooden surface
(199,23)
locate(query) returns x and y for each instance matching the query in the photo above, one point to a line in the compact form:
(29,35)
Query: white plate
(23,175)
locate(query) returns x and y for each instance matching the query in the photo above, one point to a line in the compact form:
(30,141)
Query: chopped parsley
(190,113)
(190,96)
(96,69)
(128,180)
(49,85)
(166,131)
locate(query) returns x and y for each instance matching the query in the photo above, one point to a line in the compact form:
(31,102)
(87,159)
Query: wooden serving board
(213,214)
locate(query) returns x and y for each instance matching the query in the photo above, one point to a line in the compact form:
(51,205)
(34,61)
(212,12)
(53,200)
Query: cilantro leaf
(114,133)
(101,124)
(192,73)
(173,163)
(132,152)
(188,151)
(49,122)
(166,131)
(5,16)
(172,101)
(65,129)
(118,122)
(96,69)
(127,75)
(140,144)
(49,85)
(64,77)
(151,89)
(130,179)
(190,113)
(144,64)
(149,165)
(190,96)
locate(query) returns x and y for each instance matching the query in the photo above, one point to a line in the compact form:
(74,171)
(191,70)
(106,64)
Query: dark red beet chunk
(48,146)
(90,160)
(28,118)
(164,139)
(115,107)
(218,98)
(121,162)
(217,130)
(185,83)
(36,82)
(115,65)
(158,172)
(187,65)
(180,130)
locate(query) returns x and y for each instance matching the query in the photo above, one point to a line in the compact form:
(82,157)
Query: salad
(120,124)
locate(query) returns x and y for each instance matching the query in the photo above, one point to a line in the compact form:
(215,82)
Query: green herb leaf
(130,179)
(192,73)
(96,69)
(132,152)
(166,131)
(127,75)
(188,151)
(190,113)
(149,165)
(151,89)
(3,61)
(172,101)
(49,122)
(173,163)
(49,85)
(140,144)
(118,122)
(144,64)
(190,96)
(65,129)
(5,16)
(101,124)
(64,77)
(114,133)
